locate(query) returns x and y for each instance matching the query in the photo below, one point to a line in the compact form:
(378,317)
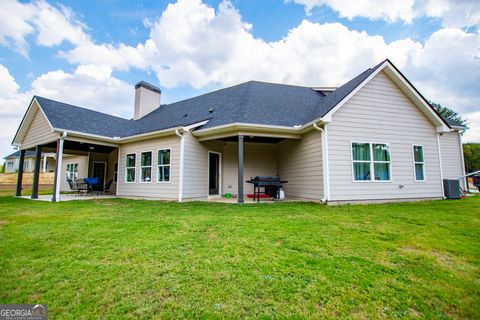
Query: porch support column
(21,162)
(36,172)
(58,171)
(45,159)
(240,169)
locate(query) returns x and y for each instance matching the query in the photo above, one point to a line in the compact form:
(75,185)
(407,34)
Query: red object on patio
(262,195)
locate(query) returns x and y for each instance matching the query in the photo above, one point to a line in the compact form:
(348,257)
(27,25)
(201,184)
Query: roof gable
(405,86)
(27,120)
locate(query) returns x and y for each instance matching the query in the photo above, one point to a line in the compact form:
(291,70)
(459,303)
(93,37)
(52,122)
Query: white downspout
(441,165)
(325,173)
(118,171)
(59,166)
(182,145)
(465,184)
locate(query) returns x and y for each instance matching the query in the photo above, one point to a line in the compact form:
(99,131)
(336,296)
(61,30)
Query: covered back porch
(75,160)
(235,158)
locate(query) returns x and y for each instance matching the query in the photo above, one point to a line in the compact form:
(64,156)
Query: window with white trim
(72,171)
(419,163)
(130,167)
(10,164)
(146,166)
(163,172)
(26,165)
(371,161)
(115,172)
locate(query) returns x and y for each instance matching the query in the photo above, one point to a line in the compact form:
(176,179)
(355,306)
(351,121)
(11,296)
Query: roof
(252,102)
(453,123)
(69,117)
(16,154)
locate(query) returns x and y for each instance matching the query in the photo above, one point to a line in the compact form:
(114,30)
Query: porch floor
(248,200)
(68,197)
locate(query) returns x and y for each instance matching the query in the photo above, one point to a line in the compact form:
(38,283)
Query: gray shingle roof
(453,123)
(66,116)
(16,154)
(250,102)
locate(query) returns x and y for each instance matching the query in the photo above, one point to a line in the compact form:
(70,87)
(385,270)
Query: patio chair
(108,187)
(73,187)
(82,187)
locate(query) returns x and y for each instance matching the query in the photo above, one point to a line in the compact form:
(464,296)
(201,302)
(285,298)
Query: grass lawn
(122,258)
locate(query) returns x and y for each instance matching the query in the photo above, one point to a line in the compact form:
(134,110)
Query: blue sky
(91,53)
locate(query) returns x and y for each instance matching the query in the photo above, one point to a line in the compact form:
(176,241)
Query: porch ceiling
(81,146)
(254,139)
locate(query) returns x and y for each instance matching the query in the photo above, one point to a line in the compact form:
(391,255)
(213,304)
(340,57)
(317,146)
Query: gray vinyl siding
(380,112)
(300,163)
(112,159)
(451,155)
(195,168)
(39,132)
(153,189)
(260,159)
(81,173)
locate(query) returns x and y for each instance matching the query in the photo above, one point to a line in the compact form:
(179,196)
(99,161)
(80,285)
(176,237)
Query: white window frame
(164,165)
(69,172)
(134,168)
(26,165)
(419,162)
(150,166)
(372,162)
(10,164)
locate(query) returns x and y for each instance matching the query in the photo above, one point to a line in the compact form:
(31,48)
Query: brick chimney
(147,99)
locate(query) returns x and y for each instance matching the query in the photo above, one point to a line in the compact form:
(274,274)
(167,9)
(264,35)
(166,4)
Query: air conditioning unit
(451,188)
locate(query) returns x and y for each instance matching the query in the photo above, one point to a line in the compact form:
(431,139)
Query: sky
(91,53)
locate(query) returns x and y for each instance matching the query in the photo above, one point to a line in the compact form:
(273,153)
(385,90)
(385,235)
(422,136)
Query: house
(375,138)
(12,162)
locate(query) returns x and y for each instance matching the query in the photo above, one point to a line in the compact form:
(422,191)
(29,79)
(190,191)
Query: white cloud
(14,25)
(120,57)
(473,135)
(13,105)
(91,86)
(453,13)
(55,25)
(51,25)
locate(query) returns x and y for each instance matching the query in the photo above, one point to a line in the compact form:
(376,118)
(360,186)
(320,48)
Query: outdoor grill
(271,187)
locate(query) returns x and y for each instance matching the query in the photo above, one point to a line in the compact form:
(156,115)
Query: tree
(449,113)
(471,153)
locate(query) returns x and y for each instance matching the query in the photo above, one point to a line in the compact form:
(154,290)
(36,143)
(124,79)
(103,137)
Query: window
(371,161)
(163,165)
(10,164)
(419,163)
(130,167)
(146,167)
(72,171)
(115,172)
(26,164)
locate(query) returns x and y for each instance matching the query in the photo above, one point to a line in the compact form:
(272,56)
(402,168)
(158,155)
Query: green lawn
(145,259)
